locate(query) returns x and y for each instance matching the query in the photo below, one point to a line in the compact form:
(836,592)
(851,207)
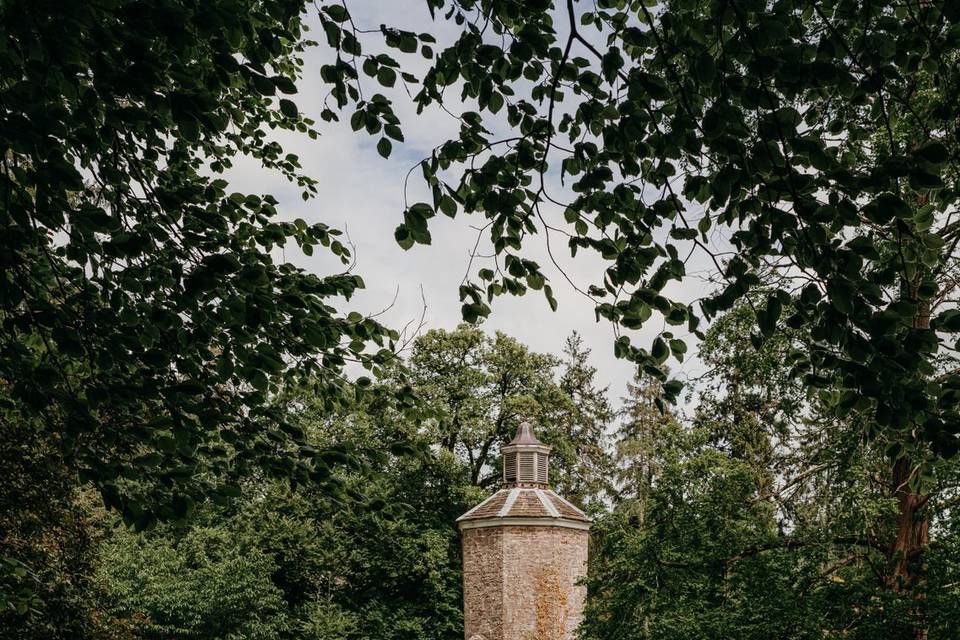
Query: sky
(363,194)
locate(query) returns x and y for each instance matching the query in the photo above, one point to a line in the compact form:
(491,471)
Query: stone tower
(524,549)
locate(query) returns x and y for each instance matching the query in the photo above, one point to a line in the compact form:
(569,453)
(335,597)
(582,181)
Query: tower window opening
(510,467)
(527,467)
(542,468)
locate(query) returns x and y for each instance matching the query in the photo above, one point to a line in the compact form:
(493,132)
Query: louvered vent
(526,467)
(542,468)
(510,467)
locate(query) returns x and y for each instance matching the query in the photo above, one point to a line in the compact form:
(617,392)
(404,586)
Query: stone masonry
(524,550)
(520,582)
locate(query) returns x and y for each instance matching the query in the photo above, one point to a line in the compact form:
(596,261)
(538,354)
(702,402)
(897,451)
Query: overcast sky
(363,194)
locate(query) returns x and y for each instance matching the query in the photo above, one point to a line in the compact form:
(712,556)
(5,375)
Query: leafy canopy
(280,563)
(814,140)
(145,318)
(761,515)
(479,388)
(146,321)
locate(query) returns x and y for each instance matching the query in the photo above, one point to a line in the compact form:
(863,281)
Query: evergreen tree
(763,507)
(643,429)
(585,421)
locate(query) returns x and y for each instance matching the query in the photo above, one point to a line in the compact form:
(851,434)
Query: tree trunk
(912,535)
(905,558)
(913,530)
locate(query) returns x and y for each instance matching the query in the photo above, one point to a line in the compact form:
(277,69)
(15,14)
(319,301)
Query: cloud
(363,194)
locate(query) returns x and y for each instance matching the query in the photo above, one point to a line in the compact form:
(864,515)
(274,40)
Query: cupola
(526,460)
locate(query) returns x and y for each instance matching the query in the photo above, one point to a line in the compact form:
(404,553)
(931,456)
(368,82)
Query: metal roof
(527,502)
(525,436)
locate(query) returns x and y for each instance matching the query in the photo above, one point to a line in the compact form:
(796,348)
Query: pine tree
(644,420)
(586,422)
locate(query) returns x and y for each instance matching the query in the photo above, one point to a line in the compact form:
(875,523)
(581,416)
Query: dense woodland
(200,439)
(749,509)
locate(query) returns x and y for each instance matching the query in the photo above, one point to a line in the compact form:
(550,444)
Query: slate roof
(524,502)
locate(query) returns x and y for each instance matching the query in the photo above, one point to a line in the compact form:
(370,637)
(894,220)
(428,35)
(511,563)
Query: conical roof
(525,436)
(526,497)
(524,505)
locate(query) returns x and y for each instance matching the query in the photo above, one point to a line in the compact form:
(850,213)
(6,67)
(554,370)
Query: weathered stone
(524,551)
(520,582)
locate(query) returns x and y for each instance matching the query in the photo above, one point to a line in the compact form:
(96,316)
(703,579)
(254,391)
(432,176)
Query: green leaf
(472,312)
(288,108)
(408,43)
(393,131)
(551,300)
(284,85)
(840,292)
(448,206)
(659,350)
(767,317)
(190,129)
(357,120)
(337,12)
(384,147)
(672,388)
(933,151)
(705,68)
(386,76)
(681,233)
(921,178)
(678,347)
(403,237)
(495,103)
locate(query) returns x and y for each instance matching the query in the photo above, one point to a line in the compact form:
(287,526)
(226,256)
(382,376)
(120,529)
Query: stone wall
(483,583)
(520,582)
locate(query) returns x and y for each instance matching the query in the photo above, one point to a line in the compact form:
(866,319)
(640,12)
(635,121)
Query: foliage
(481,388)
(296,564)
(47,547)
(814,140)
(587,423)
(379,558)
(760,507)
(808,150)
(145,319)
(707,538)
(202,585)
(645,425)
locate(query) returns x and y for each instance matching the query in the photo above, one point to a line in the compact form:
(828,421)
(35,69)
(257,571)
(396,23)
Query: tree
(750,402)
(480,388)
(645,421)
(146,324)
(145,319)
(777,125)
(379,557)
(584,445)
(47,547)
(200,584)
(674,572)
(817,138)
(826,158)
(378,560)
(762,506)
